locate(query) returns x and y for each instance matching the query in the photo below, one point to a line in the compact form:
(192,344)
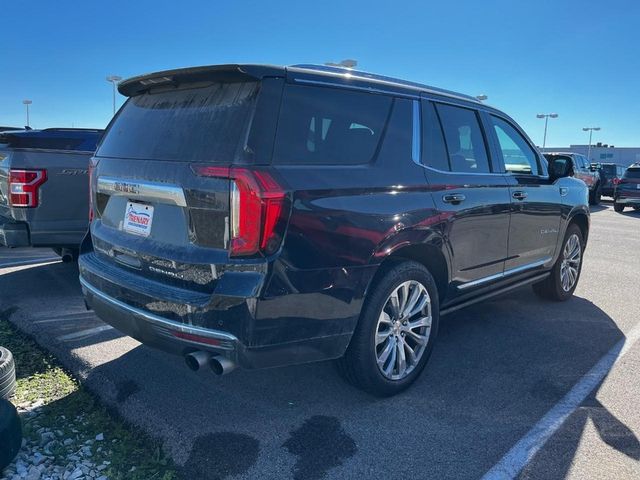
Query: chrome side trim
(159,321)
(415,134)
(142,190)
(504,274)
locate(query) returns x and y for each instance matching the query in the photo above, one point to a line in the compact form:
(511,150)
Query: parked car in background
(263,216)
(44,188)
(610,176)
(583,171)
(627,192)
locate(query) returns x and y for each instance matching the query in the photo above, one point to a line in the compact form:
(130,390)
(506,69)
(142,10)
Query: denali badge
(166,272)
(546,231)
(126,187)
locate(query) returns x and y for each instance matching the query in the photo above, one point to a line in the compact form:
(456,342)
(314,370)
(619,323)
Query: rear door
(162,178)
(470,193)
(535,201)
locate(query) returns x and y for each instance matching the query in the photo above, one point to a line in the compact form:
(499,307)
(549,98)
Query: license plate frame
(138,218)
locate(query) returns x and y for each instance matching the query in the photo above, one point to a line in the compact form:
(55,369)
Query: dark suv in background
(628,189)
(610,175)
(263,216)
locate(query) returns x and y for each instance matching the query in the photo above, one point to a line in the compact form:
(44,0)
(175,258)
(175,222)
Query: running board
(495,293)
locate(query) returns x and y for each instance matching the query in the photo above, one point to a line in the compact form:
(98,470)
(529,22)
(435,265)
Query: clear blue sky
(580,59)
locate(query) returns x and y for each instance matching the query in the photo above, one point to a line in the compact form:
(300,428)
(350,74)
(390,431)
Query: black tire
(551,287)
(618,207)
(10,433)
(596,195)
(7,373)
(359,365)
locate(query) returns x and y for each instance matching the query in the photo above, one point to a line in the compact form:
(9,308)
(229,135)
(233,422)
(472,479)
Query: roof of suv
(301,73)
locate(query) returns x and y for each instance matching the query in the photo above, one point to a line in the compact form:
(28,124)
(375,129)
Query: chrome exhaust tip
(66,255)
(196,360)
(221,365)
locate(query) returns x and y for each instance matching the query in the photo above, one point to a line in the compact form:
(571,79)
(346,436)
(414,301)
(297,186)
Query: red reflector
(196,338)
(24,185)
(92,166)
(257,204)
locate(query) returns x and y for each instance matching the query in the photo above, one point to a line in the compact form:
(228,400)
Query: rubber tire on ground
(551,287)
(596,196)
(7,373)
(10,433)
(359,364)
(618,207)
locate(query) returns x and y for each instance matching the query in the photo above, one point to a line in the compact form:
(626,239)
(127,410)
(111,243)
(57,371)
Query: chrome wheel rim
(403,330)
(570,266)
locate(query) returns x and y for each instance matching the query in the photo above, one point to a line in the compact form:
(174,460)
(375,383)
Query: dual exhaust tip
(219,365)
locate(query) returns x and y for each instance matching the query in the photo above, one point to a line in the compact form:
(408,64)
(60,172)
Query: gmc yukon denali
(44,188)
(258,216)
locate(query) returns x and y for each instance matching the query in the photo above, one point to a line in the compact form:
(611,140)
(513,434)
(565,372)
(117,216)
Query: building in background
(602,153)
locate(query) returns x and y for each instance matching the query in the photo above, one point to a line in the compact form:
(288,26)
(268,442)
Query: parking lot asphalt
(499,371)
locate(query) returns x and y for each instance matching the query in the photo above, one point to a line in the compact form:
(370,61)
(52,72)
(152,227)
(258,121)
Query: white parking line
(84,333)
(520,455)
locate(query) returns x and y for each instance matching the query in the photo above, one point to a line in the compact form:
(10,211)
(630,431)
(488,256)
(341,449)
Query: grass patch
(71,418)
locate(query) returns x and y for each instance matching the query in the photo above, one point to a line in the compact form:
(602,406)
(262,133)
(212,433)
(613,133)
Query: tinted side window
(517,154)
(464,139)
(329,126)
(434,152)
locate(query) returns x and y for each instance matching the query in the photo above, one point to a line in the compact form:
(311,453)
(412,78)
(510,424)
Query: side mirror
(560,167)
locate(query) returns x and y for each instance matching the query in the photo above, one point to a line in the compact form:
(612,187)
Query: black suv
(263,216)
(610,176)
(627,192)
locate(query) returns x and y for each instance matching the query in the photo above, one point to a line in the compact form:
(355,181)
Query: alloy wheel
(570,266)
(403,330)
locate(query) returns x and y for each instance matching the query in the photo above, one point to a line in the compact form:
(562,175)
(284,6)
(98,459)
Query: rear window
(632,173)
(329,126)
(609,169)
(206,124)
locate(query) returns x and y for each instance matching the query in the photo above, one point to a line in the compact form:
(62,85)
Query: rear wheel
(563,280)
(595,196)
(618,207)
(396,331)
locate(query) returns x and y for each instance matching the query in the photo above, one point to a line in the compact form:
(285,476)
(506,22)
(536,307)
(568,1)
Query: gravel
(54,454)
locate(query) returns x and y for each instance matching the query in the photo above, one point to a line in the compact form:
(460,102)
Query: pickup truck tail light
(24,187)
(259,208)
(92,166)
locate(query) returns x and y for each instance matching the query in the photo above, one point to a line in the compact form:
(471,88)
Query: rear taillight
(24,185)
(92,165)
(258,205)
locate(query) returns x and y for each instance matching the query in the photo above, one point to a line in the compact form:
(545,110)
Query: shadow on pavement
(497,369)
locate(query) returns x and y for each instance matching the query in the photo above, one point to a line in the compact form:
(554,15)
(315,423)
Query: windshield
(206,124)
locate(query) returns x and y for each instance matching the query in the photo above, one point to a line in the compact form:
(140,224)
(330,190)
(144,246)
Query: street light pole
(590,130)
(546,117)
(114,79)
(26,103)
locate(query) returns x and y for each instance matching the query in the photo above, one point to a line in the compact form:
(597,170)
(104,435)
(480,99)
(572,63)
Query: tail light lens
(259,208)
(616,180)
(24,186)
(93,163)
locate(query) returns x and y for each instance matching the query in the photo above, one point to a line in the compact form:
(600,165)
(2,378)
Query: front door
(535,202)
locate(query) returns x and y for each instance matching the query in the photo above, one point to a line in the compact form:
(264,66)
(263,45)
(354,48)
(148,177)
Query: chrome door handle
(453,198)
(519,195)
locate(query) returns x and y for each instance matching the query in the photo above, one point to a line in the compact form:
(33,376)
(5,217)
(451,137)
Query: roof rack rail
(383,78)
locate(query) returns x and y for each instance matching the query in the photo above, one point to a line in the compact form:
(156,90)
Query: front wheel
(563,280)
(618,207)
(396,331)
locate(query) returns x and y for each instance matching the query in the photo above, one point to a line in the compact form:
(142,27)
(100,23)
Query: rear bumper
(221,324)
(13,233)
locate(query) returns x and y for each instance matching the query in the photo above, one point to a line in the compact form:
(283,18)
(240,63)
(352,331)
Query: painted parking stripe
(520,455)
(21,263)
(85,333)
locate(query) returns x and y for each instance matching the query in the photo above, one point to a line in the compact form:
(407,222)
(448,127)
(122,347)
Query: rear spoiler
(222,73)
